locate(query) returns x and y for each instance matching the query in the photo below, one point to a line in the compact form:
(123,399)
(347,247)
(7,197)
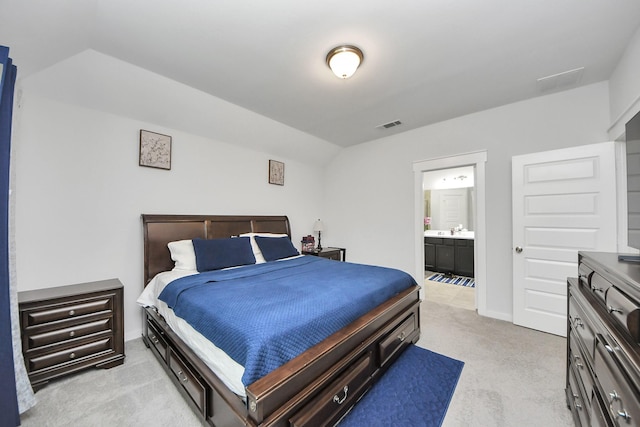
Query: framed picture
(155,150)
(276,172)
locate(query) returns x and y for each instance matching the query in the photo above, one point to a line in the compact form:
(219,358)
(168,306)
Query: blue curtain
(9,413)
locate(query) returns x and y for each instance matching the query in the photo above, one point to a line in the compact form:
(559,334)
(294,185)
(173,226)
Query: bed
(316,387)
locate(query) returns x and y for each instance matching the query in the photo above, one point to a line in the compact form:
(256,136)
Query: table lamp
(319,227)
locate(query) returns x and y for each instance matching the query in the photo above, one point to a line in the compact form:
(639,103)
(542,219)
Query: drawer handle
(576,402)
(576,359)
(577,322)
(183,377)
(597,289)
(72,334)
(613,396)
(339,401)
(72,312)
(72,356)
(614,310)
(402,336)
(155,340)
(622,413)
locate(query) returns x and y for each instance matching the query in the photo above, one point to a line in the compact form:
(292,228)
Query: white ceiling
(425,60)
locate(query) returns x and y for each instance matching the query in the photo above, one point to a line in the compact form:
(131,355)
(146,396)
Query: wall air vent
(560,81)
(389,125)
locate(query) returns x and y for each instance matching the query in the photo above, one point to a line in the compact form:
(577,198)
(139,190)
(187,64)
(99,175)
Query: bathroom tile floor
(453,295)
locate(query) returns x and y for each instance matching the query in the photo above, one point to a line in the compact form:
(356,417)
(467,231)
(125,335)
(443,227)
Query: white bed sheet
(228,370)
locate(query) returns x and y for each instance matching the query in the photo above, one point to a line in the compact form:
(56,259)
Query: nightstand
(69,328)
(338,254)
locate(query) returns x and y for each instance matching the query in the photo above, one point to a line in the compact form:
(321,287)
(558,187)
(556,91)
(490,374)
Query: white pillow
(183,255)
(257,253)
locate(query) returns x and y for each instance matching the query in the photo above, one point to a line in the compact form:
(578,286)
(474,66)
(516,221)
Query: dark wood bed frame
(316,388)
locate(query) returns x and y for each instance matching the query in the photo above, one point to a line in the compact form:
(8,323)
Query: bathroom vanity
(449,253)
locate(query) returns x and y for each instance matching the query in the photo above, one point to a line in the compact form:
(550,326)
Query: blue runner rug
(415,392)
(453,280)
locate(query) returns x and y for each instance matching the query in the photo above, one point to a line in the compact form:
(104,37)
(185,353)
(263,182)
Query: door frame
(478,160)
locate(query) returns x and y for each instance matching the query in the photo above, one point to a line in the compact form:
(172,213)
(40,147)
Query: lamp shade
(344,60)
(318,226)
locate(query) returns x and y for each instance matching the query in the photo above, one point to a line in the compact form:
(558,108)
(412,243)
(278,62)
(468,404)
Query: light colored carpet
(136,393)
(512,377)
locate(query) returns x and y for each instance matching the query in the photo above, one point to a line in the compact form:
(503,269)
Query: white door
(564,201)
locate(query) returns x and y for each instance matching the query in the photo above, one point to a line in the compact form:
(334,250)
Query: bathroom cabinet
(449,255)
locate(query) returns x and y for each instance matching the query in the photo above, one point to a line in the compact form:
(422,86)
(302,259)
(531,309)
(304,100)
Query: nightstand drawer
(66,311)
(335,255)
(70,355)
(41,339)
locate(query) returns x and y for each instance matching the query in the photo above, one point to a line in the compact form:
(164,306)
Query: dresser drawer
(621,398)
(598,416)
(599,286)
(582,370)
(577,402)
(189,381)
(581,325)
(584,275)
(337,398)
(52,313)
(69,355)
(389,345)
(156,339)
(40,339)
(625,311)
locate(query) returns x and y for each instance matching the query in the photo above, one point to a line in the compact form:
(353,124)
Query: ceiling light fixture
(344,60)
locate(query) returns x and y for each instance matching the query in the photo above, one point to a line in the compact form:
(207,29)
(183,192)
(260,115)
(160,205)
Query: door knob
(518,249)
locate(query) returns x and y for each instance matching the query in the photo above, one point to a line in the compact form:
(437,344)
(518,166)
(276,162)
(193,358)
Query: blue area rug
(453,280)
(415,391)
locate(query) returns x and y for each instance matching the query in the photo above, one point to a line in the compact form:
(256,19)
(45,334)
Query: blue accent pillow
(214,254)
(274,248)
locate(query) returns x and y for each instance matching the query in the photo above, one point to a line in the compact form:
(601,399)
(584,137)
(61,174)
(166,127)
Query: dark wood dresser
(603,336)
(70,328)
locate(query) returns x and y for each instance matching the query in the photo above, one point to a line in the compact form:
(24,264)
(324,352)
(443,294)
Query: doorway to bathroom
(476,222)
(449,218)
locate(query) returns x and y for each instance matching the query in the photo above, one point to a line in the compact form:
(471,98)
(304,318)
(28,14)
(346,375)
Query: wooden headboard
(162,229)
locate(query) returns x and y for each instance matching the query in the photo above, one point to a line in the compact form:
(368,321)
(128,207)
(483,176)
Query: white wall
(79,192)
(369,192)
(624,88)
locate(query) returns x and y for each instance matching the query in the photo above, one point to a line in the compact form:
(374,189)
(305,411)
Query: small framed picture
(155,150)
(276,172)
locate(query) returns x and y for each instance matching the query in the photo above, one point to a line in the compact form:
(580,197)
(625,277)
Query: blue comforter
(264,315)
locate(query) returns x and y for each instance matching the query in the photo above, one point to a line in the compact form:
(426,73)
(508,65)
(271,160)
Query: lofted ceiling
(425,60)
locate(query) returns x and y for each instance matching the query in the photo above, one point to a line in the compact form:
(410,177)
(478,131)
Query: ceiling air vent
(389,125)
